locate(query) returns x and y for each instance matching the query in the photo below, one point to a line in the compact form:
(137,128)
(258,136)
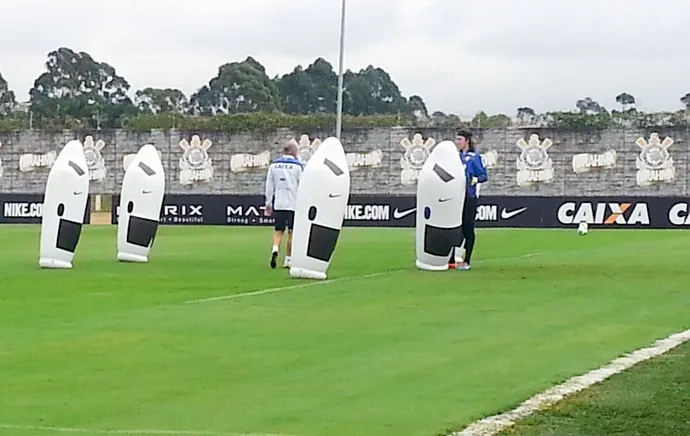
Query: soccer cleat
(274,259)
(286,265)
(464,266)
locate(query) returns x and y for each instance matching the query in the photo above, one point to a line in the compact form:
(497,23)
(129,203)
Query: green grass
(652,398)
(113,346)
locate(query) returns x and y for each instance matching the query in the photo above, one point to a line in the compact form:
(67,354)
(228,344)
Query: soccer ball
(582,228)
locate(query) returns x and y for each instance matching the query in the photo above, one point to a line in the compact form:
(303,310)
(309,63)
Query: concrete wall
(383,161)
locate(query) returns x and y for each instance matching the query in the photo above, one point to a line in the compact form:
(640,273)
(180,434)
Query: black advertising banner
(615,212)
(28,209)
(400,211)
(362,211)
(209,210)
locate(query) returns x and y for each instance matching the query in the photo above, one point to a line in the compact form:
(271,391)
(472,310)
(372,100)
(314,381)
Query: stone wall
(383,161)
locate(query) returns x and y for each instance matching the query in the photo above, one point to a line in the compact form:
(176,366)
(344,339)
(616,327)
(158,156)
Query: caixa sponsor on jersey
(604,213)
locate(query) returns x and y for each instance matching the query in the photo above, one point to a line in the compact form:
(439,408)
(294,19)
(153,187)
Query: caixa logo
(604,213)
(247,215)
(678,214)
(182,214)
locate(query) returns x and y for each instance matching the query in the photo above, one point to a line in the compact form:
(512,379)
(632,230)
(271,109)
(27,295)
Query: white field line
(140,432)
(497,423)
(326,282)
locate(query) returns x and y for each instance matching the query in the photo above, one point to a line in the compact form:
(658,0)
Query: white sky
(461,56)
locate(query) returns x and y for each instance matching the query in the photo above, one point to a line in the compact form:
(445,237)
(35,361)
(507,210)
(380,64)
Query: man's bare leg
(288,254)
(277,241)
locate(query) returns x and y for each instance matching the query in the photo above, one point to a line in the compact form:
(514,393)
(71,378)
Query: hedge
(262,122)
(257,122)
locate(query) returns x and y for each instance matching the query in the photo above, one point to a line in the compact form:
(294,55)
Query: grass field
(380,349)
(652,398)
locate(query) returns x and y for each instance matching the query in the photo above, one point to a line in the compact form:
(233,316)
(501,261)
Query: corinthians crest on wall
(654,163)
(94,158)
(195,163)
(534,164)
(305,147)
(416,153)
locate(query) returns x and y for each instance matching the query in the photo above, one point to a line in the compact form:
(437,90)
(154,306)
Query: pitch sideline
(140,432)
(495,424)
(326,282)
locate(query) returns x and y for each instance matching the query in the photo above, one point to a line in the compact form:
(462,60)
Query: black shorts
(285,219)
(469,211)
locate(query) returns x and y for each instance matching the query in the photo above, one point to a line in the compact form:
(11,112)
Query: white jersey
(282,181)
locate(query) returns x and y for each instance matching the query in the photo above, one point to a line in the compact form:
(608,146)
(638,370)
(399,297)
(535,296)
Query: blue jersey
(473,168)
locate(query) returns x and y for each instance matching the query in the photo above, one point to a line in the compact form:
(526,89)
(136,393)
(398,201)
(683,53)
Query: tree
(417,107)
(310,91)
(498,121)
(324,83)
(156,101)
(686,101)
(589,106)
(7,99)
(625,100)
(526,115)
(443,120)
(77,87)
(480,119)
(238,87)
(372,91)
(296,91)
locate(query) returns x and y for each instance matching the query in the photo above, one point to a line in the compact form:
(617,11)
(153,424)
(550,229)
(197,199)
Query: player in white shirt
(282,181)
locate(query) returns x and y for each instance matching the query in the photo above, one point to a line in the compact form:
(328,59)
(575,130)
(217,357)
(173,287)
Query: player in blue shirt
(475,173)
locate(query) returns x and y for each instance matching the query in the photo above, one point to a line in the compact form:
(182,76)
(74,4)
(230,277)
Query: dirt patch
(100,218)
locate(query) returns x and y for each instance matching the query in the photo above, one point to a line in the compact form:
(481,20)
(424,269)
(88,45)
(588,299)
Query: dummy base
(128,257)
(427,267)
(54,263)
(301,273)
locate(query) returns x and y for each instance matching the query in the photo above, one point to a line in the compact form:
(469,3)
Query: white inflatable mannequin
(440,202)
(322,197)
(141,199)
(64,207)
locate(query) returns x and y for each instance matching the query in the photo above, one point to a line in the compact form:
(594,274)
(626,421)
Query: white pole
(339,110)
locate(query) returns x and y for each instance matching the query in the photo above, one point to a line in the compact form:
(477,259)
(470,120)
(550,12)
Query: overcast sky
(461,56)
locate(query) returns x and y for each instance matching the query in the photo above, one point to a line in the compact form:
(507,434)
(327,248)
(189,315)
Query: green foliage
(257,122)
(7,98)
(579,120)
(13,124)
(77,92)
